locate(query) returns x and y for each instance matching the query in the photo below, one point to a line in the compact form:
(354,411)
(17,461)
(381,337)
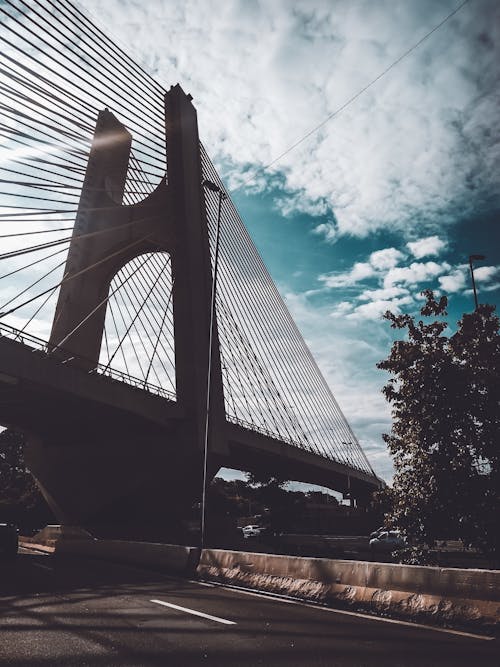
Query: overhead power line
(353,98)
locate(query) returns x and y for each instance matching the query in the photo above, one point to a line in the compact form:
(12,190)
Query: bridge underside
(124,462)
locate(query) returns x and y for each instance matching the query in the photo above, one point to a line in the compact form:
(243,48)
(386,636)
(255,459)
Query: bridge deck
(42,393)
(51,397)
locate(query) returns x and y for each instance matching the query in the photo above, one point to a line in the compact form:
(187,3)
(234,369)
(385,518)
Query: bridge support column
(149,475)
(192,272)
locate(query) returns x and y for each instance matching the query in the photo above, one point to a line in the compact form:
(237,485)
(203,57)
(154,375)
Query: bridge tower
(171,220)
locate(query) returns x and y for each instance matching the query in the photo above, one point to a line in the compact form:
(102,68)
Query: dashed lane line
(194,612)
(44,567)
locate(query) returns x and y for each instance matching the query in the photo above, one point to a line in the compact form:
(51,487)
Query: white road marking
(201,583)
(288,600)
(194,612)
(45,567)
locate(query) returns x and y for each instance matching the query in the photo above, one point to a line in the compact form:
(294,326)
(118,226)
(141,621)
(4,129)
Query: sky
(388,197)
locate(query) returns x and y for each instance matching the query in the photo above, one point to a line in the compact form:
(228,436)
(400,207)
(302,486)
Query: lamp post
(222,196)
(473,258)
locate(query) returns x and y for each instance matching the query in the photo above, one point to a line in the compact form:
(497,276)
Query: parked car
(8,540)
(252,531)
(377,532)
(387,541)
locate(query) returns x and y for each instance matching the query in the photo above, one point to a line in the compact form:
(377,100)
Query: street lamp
(473,258)
(209,185)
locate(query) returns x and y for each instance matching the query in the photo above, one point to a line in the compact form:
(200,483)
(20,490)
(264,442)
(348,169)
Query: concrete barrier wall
(170,558)
(450,595)
(54,532)
(75,541)
(416,592)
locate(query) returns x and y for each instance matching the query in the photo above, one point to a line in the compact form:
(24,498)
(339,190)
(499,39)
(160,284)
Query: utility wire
(353,98)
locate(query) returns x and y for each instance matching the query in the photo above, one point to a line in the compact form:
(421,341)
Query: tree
(16,484)
(282,506)
(20,499)
(476,348)
(446,425)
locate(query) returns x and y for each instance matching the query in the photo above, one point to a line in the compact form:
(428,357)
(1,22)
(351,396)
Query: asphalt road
(89,613)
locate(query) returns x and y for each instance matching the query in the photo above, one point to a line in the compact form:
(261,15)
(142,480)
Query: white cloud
(378,262)
(412,153)
(347,355)
(376,308)
(360,271)
(454,281)
(397,285)
(458,280)
(382,266)
(386,258)
(385,293)
(294,203)
(427,247)
(342,308)
(485,273)
(328,230)
(415,273)
(490,288)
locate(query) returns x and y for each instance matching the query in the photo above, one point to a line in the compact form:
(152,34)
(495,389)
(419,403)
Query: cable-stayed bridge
(118,236)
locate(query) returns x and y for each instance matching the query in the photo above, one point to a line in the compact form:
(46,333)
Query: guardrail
(39,345)
(289,441)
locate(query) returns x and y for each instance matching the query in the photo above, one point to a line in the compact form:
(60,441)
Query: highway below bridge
(89,613)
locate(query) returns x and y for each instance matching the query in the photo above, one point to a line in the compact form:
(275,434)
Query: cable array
(57,72)
(139,329)
(271,381)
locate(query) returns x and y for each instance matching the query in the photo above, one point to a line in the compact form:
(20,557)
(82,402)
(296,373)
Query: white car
(377,532)
(387,541)
(252,531)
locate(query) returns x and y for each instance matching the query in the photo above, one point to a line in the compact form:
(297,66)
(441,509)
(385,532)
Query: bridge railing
(270,434)
(304,445)
(38,344)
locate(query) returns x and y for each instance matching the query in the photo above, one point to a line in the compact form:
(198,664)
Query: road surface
(88,613)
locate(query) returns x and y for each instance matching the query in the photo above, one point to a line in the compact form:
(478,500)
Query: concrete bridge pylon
(163,468)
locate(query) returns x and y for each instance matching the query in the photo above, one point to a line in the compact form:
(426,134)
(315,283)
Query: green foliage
(20,499)
(282,506)
(265,479)
(259,496)
(445,396)
(16,484)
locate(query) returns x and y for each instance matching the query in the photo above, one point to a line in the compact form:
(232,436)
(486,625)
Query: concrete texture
(74,541)
(426,593)
(171,558)
(444,595)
